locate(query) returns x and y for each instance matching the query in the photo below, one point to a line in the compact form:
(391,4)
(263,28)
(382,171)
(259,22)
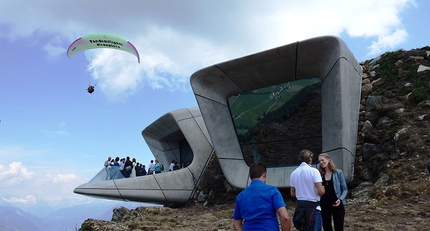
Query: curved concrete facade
(327,58)
(163,137)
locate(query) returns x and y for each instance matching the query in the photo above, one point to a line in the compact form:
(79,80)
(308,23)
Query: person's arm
(238,225)
(320,188)
(284,217)
(292,191)
(343,186)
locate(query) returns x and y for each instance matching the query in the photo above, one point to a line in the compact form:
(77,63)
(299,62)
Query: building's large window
(274,123)
(187,154)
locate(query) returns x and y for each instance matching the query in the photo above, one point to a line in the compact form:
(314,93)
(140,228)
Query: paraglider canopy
(93,41)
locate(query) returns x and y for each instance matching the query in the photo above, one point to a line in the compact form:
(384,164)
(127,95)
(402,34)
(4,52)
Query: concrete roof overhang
(326,57)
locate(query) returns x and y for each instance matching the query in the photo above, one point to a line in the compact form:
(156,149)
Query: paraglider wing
(93,41)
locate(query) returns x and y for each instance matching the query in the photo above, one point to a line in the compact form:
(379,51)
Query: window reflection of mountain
(275,94)
(278,137)
(310,95)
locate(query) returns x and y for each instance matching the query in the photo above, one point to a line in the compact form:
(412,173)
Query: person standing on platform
(259,205)
(306,186)
(336,190)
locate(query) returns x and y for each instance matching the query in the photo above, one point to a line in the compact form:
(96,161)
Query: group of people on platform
(132,168)
(321,195)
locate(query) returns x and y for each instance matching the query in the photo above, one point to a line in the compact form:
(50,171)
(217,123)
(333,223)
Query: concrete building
(324,59)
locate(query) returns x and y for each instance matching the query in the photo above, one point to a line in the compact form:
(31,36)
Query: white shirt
(151,166)
(303,179)
(171,166)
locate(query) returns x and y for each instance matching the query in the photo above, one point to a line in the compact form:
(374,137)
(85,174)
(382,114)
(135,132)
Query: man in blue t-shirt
(257,205)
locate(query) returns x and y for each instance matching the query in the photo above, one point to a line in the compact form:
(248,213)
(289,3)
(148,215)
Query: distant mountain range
(71,218)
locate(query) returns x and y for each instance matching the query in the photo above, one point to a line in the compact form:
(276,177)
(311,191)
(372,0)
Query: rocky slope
(391,185)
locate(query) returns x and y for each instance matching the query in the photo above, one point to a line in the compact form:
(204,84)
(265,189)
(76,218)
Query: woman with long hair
(336,190)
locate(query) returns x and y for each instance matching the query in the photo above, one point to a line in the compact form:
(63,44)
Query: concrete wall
(327,58)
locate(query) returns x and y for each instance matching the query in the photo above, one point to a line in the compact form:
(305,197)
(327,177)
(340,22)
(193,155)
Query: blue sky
(55,136)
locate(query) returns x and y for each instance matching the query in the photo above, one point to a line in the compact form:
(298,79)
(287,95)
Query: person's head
(109,158)
(156,161)
(117,159)
(257,170)
(152,161)
(306,156)
(325,162)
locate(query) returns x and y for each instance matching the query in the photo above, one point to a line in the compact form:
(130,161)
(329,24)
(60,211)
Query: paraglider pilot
(90,89)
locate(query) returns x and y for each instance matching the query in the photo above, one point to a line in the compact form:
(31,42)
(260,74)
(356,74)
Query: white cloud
(60,131)
(175,40)
(14,174)
(29,199)
(23,186)
(388,41)
(54,51)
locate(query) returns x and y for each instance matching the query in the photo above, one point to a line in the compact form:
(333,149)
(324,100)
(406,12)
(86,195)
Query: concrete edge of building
(326,57)
(163,137)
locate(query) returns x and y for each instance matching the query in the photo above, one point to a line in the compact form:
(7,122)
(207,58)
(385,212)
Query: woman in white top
(133,170)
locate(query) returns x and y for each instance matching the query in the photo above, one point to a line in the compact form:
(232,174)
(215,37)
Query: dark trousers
(338,214)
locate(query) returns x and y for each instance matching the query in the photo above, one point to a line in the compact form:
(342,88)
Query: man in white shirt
(172,164)
(306,186)
(151,167)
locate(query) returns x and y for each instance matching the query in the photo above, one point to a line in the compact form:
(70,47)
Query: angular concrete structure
(166,137)
(327,58)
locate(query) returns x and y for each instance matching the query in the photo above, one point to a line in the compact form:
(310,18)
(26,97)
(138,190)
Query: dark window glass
(187,154)
(273,124)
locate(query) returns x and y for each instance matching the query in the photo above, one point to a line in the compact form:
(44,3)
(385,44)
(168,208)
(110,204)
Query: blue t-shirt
(257,205)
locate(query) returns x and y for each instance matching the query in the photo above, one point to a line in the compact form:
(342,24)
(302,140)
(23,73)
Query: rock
(399,133)
(369,150)
(366,88)
(423,68)
(400,110)
(372,117)
(383,124)
(367,174)
(100,225)
(119,213)
(367,126)
(424,104)
(364,75)
(415,58)
(372,102)
(421,117)
(399,63)
(365,81)
(374,61)
(202,197)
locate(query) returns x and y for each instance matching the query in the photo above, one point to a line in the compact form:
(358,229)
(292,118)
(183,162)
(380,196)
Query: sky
(54,135)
